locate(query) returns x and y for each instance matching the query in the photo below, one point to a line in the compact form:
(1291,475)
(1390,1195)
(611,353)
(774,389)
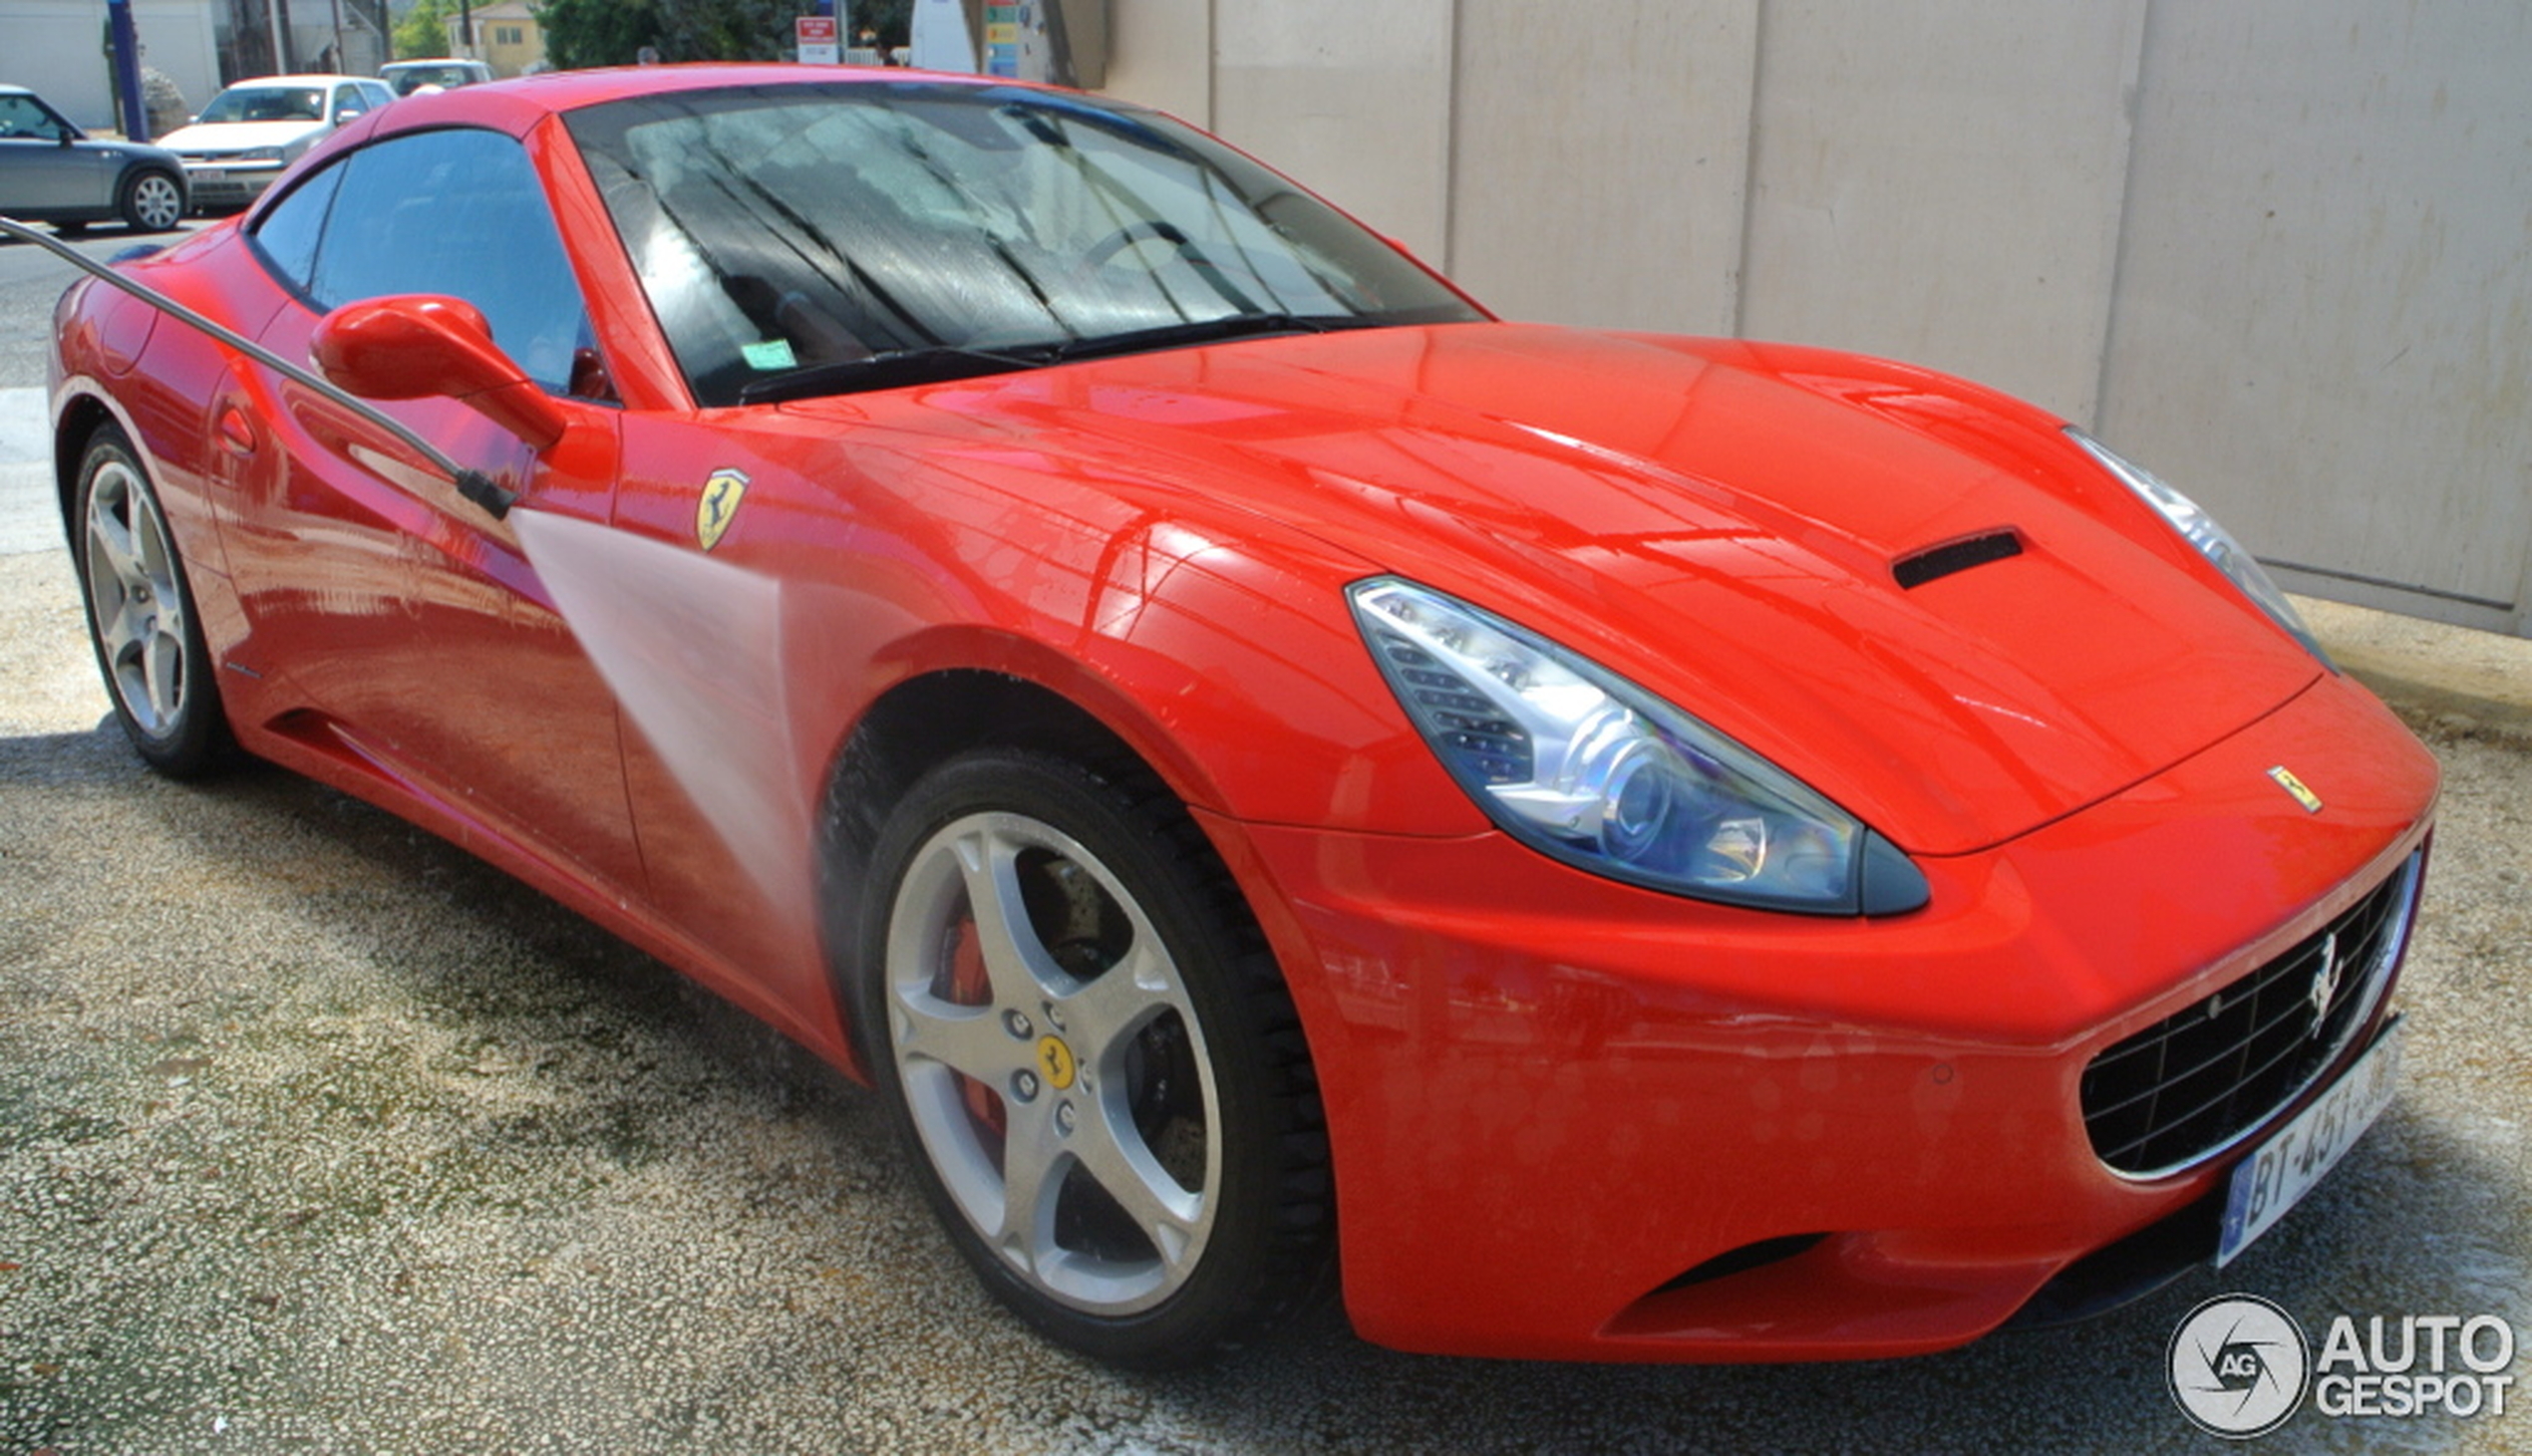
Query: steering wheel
(1097,254)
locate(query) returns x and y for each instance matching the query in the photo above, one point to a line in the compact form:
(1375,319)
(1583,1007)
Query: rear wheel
(150,202)
(1088,1051)
(141,615)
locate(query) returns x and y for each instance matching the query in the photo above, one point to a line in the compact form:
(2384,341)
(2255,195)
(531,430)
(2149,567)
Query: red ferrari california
(1590,845)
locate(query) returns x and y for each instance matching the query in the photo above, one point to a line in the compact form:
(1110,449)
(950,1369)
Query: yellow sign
(2287,780)
(720,505)
(1055,1060)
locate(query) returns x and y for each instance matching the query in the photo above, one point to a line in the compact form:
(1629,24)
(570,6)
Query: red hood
(1718,523)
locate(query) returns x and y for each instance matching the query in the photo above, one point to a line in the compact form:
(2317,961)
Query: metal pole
(474,485)
(465,27)
(281,39)
(342,66)
(136,115)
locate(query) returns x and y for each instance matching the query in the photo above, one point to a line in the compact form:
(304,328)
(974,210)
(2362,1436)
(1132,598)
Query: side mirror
(347,115)
(418,346)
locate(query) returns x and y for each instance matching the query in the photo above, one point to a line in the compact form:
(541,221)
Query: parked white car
(251,132)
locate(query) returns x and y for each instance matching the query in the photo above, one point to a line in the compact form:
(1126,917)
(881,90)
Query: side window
(21,117)
(456,212)
(287,235)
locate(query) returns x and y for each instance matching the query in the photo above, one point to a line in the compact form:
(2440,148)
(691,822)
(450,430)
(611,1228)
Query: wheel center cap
(1054,1060)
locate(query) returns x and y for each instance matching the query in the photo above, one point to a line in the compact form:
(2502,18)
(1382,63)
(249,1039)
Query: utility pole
(280,38)
(465,27)
(135,115)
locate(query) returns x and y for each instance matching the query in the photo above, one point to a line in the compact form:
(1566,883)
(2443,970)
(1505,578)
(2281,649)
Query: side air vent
(1916,570)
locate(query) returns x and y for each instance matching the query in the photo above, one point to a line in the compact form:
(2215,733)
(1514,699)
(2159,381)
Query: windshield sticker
(771,354)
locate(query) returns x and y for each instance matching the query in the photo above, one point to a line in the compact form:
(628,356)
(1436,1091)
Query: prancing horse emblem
(718,506)
(2287,780)
(2325,983)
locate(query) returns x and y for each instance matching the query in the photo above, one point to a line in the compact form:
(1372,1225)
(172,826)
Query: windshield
(407,78)
(266,103)
(810,239)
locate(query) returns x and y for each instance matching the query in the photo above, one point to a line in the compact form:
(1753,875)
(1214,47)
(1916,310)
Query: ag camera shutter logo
(2238,1367)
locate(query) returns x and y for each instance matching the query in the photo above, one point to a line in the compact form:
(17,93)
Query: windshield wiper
(894,369)
(941,363)
(1209,331)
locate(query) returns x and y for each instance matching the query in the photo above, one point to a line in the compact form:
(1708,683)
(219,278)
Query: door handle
(236,431)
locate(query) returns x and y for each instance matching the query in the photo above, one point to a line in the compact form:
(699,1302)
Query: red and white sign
(816,37)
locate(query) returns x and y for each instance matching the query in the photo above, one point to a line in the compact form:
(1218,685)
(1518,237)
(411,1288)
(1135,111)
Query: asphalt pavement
(317,1134)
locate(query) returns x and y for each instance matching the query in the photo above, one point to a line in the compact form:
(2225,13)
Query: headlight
(259,154)
(1579,764)
(2213,541)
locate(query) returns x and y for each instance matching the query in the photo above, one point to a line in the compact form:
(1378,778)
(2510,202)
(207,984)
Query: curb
(2448,678)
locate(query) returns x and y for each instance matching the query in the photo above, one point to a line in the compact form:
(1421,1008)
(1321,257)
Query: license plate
(2276,1176)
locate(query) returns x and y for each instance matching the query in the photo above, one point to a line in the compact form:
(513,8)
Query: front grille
(2193,1083)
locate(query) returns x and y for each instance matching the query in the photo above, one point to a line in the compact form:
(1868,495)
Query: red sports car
(1595,845)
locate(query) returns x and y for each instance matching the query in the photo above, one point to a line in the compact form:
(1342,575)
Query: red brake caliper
(970,987)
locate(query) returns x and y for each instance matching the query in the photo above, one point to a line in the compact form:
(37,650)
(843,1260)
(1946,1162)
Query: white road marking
(29,520)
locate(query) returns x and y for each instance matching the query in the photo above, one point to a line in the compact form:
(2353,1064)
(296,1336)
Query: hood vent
(1915,570)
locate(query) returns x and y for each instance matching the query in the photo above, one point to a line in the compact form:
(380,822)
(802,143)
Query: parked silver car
(51,172)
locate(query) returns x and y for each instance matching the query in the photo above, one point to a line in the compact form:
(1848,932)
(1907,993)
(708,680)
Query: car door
(40,171)
(413,620)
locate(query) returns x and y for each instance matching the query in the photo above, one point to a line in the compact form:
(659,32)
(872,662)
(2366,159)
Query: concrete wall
(55,48)
(2324,315)
(1319,75)
(2277,250)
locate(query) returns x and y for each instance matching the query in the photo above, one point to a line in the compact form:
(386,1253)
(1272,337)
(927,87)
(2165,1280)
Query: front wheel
(150,202)
(1093,1059)
(141,615)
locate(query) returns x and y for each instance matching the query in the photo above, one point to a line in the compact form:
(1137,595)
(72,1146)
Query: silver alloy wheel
(155,206)
(1046,1099)
(134,601)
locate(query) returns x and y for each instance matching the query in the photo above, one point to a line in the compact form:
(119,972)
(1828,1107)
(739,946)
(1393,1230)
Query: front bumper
(229,185)
(1578,1121)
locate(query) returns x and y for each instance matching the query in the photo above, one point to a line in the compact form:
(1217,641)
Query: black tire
(150,200)
(1191,1093)
(141,620)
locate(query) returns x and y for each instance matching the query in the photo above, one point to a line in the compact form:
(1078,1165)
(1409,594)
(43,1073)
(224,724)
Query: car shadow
(394,988)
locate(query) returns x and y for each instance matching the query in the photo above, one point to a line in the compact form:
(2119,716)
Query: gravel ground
(315,1134)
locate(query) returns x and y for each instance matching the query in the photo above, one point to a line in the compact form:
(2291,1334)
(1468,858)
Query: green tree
(583,33)
(726,30)
(612,31)
(421,34)
(892,19)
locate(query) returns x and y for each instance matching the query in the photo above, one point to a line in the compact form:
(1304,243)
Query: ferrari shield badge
(718,506)
(2287,780)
